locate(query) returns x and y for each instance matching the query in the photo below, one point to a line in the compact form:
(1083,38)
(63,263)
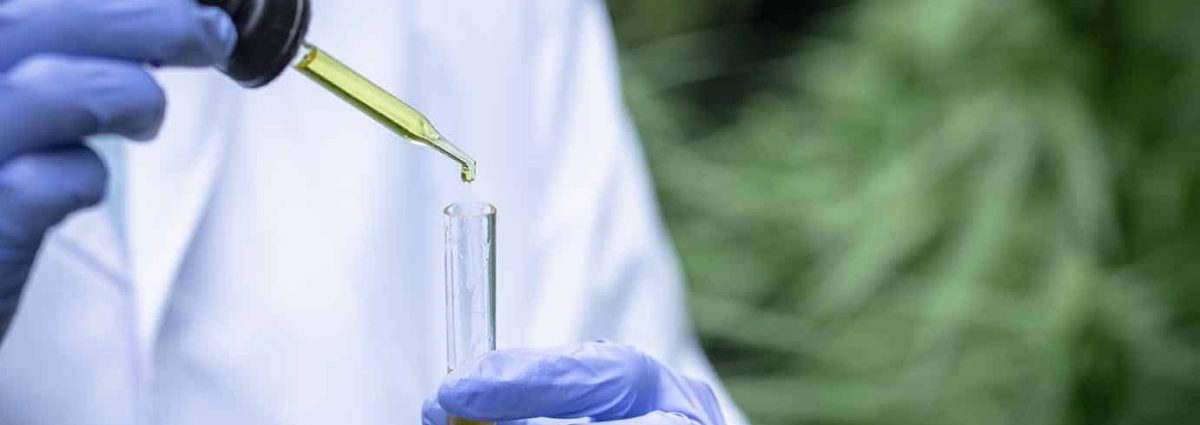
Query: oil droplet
(468,174)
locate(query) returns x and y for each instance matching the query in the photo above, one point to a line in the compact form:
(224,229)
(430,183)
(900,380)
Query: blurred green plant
(938,211)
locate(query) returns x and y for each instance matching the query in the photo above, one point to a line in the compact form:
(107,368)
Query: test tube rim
(470,210)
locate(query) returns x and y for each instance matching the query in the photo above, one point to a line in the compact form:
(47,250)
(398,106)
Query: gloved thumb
(606,382)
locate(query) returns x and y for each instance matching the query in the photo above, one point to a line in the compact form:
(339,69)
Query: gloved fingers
(38,190)
(653,418)
(52,98)
(598,380)
(162,32)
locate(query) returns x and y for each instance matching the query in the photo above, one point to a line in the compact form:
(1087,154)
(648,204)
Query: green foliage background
(933,211)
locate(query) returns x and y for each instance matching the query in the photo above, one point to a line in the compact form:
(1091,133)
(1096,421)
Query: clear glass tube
(470,285)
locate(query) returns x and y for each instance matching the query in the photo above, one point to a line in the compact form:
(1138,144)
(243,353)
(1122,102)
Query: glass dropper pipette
(271,36)
(378,104)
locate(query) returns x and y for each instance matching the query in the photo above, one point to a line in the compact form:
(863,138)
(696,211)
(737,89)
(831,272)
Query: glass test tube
(470,285)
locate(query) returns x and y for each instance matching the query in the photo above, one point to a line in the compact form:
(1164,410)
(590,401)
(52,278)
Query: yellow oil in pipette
(380,105)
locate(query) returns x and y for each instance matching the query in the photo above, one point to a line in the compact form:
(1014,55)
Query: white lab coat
(276,258)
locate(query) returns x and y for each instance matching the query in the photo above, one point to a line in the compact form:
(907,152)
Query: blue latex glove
(70,69)
(609,383)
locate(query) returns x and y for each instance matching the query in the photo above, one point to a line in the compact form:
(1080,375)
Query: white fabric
(282,254)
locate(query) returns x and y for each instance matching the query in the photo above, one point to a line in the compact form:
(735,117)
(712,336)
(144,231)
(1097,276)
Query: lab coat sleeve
(609,270)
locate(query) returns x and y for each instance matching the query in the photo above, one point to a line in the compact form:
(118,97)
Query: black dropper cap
(270,33)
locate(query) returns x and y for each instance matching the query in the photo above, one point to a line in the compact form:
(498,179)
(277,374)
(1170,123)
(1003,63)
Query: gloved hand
(73,68)
(609,383)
